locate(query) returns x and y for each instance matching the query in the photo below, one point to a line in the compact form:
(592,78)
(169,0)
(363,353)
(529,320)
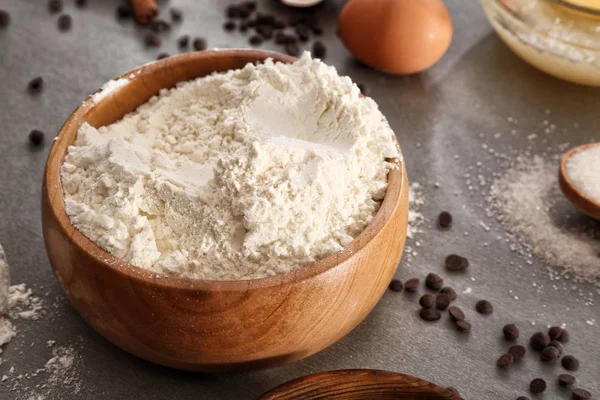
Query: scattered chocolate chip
(453,390)
(292,49)
(281,38)
(445,219)
(434,281)
(160,26)
(412,285)
(517,351)
(250,5)
(319,50)
(566,380)
(303,33)
(463,326)
(162,56)
(176,14)
(556,344)
(124,11)
(152,40)
(232,11)
(522,398)
(550,354)
(505,360)
(265,19)
(539,341)
(442,301)
(430,314)
(55,6)
(4,19)
(65,21)
(183,41)
(36,84)
(456,314)
(243,12)
(570,363)
(229,26)
(538,385)
(81,3)
(510,331)
(558,333)
(255,40)
(396,285)
(364,89)
(450,292)
(265,31)
(278,24)
(199,44)
(427,300)
(454,262)
(484,307)
(243,27)
(581,394)
(36,137)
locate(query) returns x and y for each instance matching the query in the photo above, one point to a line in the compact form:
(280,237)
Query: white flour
(583,169)
(233,176)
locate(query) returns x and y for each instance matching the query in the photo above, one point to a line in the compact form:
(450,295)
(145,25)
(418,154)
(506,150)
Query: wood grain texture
(571,192)
(214,325)
(359,384)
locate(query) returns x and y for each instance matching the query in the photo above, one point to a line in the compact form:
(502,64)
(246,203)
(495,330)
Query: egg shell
(396,36)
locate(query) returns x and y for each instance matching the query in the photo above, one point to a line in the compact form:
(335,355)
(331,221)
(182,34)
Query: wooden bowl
(359,384)
(214,325)
(582,202)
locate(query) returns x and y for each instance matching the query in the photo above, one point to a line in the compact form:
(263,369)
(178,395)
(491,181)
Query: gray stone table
(441,117)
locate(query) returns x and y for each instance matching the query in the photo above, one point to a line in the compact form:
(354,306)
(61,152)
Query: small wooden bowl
(582,202)
(214,325)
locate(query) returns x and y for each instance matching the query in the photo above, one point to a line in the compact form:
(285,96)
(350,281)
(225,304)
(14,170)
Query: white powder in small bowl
(583,169)
(236,175)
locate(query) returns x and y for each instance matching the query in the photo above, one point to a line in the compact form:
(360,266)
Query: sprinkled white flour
(239,175)
(583,168)
(108,88)
(527,201)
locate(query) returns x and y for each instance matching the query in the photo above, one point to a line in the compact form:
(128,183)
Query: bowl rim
(56,204)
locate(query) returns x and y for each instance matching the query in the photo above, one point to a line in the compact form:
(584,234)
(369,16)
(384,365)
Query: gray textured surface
(437,115)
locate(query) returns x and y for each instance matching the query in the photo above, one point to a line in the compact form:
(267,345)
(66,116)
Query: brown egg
(396,36)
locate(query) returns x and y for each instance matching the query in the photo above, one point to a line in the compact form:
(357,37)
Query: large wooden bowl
(214,325)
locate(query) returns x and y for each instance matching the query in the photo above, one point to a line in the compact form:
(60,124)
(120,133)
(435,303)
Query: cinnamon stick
(144,10)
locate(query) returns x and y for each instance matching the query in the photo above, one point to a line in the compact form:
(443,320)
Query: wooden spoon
(572,193)
(359,384)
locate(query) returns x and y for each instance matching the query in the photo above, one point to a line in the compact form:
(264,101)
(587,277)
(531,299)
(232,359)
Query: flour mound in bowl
(236,175)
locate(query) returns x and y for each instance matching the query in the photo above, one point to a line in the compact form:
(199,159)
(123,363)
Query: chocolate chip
(36,137)
(229,26)
(455,262)
(442,301)
(292,49)
(123,11)
(4,19)
(160,26)
(81,3)
(364,89)
(281,38)
(255,40)
(558,333)
(570,363)
(430,314)
(265,19)
(396,285)
(427,300)
(434,281)
(412,285)
(152,39)
(517,351)
(445,219)
(55,6)
(265,31)
(522,398)
(176,14)
(319,50)
(183,41)
(566,380)
(538,385)
(199,44)
(249,5)
(450,292)
(243,12)
(232,11)
(581,394)
(456,314)
(510,331)
(453,390)
(550,354)
(162,56)
(36,84)
(539,341)
(65,21)
(484,307)
(463,326)
(243,27)
(505,360)
(556,344)
(303,33)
